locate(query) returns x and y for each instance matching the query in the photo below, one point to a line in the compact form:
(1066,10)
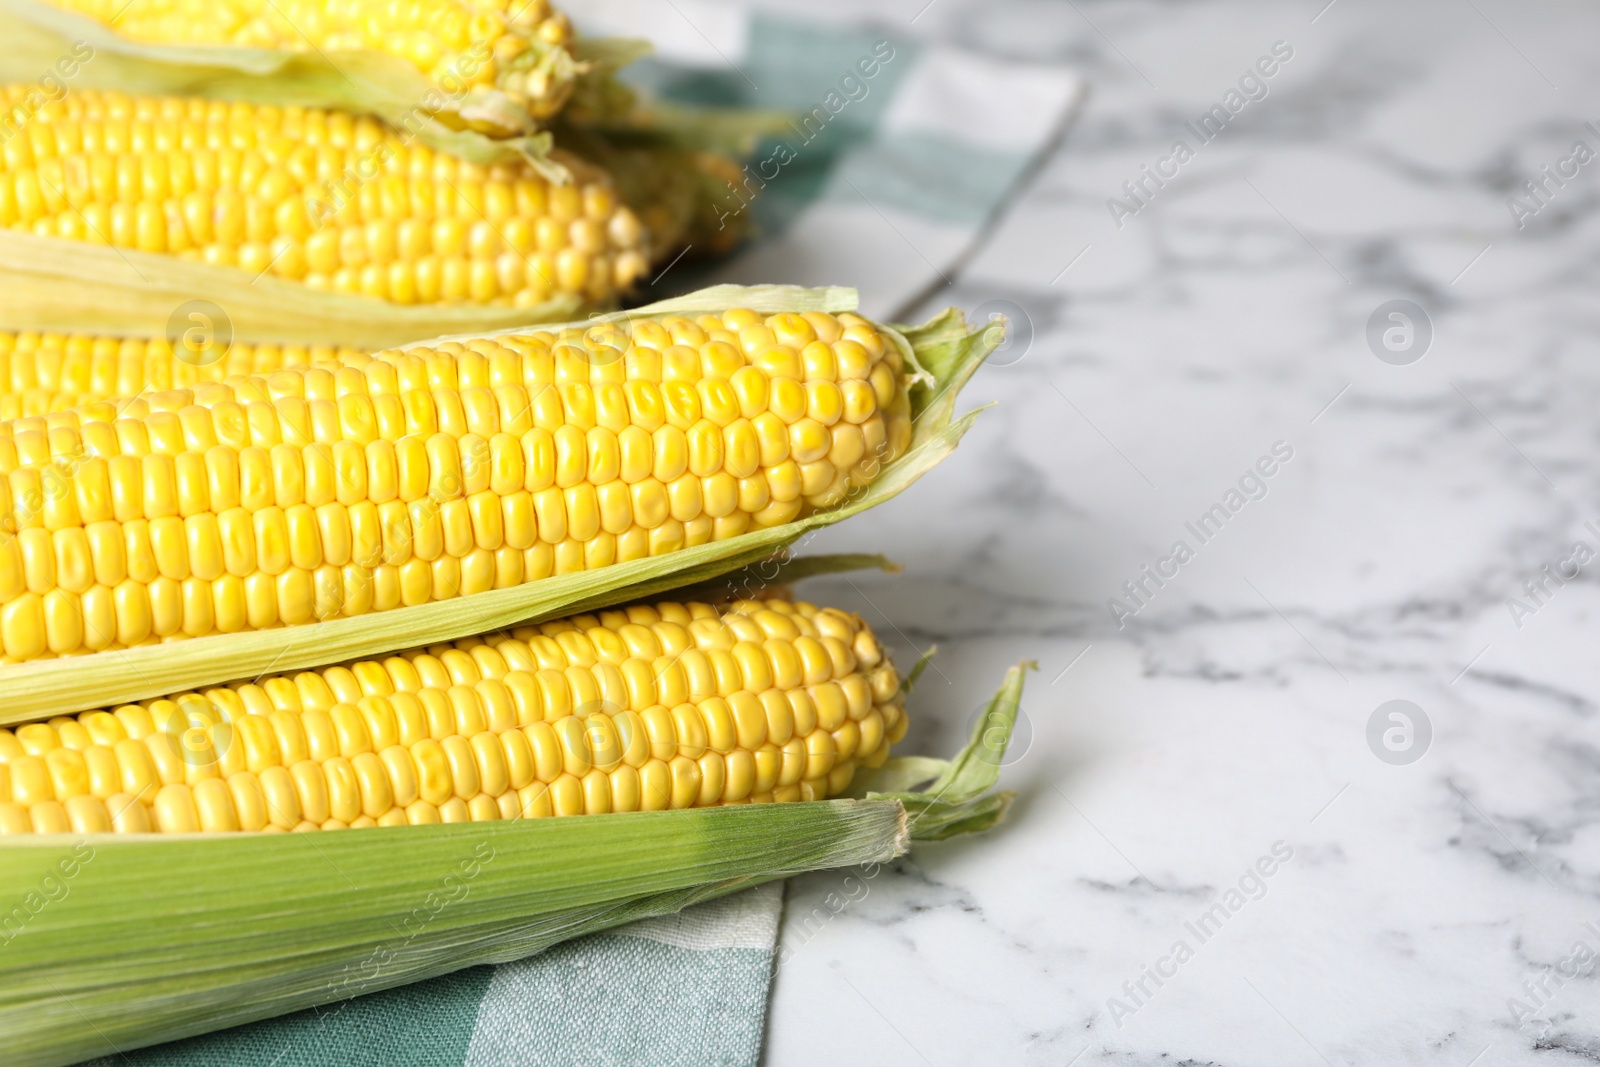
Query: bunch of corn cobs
(158,489)
(442,201)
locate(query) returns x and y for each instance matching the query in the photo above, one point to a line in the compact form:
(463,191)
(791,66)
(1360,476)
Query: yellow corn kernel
(288,220)
(355,483)
(539,722)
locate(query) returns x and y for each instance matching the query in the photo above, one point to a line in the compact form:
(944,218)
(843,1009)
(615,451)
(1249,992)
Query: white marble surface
(1231,713)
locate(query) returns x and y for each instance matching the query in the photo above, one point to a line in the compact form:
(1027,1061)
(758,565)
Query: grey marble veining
(1441,912)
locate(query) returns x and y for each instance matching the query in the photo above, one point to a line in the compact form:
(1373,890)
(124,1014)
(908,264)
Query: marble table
(1229,846)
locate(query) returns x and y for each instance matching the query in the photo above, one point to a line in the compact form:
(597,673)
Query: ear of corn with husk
(454,105)
(306,226)
(457,107)
(333,202)
(114,942)
(938,358)
(431,473)
(672,704)
(691,149)
(521,53)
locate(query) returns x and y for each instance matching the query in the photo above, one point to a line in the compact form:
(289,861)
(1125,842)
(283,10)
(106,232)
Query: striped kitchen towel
(686,990)
(900,155)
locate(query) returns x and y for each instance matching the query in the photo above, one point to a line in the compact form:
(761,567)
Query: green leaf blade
(157,937)
(959,800)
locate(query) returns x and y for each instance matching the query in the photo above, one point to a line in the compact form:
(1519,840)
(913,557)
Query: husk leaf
(780,571)
(732,131)
(58,285)
(911,678)
(159,937)
(677,166)
(54,687)
(958,799)
(118,942)
(679,194)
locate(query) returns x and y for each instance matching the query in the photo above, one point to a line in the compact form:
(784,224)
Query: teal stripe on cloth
(684,990)
(608,1000)
(887,191)
(795,66)
(792,66)
(428,1024)
(928,176)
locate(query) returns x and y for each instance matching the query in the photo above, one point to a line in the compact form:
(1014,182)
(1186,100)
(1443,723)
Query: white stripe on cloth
(887,255)
(1010,106)
(743,920)
(685,990)
(694,33)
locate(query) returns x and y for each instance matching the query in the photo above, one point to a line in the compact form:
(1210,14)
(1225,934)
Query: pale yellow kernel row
(305,141)
(45,373)
(805,348)
(271,539)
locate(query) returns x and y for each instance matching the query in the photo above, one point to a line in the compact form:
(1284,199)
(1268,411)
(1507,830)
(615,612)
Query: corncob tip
(671,705)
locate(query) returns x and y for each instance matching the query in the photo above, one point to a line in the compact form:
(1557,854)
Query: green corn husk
(955,797)
(944,353)
(676,168)
(777,573)
(597,93)
(111,942)
(37,35)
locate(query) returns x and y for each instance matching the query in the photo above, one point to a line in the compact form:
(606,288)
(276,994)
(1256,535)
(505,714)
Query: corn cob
(429,473)
(521,48)
(149,938)
(43,373)
(319,197)
(652,707)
